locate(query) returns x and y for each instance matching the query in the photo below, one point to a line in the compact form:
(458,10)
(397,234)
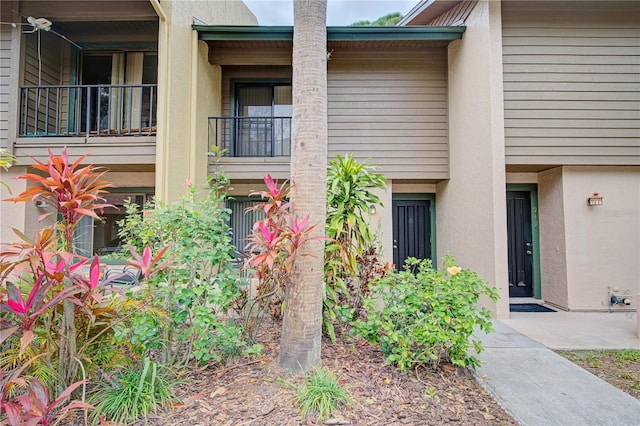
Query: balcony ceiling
(112,31)
(93,10)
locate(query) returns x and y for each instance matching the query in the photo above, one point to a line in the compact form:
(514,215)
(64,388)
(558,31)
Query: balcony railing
(251,136)
(88,110)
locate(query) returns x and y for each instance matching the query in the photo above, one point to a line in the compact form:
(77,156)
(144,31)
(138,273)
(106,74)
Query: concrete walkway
(540,388)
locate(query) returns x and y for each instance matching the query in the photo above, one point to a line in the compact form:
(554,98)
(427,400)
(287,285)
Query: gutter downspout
(158,9)
(161,169)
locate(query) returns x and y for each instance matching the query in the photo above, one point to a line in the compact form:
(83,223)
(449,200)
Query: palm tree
(302,322)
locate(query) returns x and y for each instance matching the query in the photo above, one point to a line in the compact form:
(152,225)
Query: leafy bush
(321,394)
(198,289)
(428,315)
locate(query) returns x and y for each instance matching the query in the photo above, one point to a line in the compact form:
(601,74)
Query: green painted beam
(285,33)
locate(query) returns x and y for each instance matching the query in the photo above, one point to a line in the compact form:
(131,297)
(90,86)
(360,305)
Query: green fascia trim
(285,33)
(394,33)
(432,219)
(532,188)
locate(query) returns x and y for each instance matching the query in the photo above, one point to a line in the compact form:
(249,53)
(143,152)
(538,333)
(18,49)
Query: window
(101,237)
(263,126)
(242,220)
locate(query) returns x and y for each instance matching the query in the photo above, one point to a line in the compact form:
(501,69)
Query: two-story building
(495,123)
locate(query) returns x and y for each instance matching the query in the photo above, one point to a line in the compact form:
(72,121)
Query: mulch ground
(257,392)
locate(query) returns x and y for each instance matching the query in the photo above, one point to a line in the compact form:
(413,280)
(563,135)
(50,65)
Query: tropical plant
(274,248)
(5,162)
(428,315)
(321,394)
(302,322)
(351,190)
(58,313)
(136,392)
(27,402)
(199,288)
(74,192)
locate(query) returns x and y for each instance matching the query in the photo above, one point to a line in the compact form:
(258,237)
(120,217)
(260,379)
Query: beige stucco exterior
(589,250)
(471,215)
(188,90)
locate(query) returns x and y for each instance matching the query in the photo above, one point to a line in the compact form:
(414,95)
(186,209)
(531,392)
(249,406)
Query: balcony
(251,136)
(87,110)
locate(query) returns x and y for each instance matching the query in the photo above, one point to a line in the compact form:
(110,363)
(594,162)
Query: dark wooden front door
(520,244)
(411,230)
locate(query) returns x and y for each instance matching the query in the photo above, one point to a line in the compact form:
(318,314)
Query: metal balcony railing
(251,136)
(88,110)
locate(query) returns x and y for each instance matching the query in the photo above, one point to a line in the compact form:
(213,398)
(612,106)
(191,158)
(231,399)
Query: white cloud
(339,12)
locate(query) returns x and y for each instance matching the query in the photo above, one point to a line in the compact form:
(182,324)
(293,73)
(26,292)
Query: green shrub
(428,315)
(199,288)
(321,394)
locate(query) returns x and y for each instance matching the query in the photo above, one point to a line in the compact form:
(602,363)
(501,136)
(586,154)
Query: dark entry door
(411,230)
(519,244)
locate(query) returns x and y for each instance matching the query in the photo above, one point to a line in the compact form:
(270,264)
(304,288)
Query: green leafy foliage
(351,190)
(321,394)
(5,162)
(136,393)
(388,20)
(198,289)
(428,315)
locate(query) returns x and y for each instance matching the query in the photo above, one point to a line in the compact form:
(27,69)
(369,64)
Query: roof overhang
(334,34)
(426,11)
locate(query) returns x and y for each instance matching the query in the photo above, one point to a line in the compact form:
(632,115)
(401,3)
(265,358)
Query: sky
(339,12)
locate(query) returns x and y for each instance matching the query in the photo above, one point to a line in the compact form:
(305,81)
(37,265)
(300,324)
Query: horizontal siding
(45,70)
(104,150)
(5,78)
(390,110)
(571,82)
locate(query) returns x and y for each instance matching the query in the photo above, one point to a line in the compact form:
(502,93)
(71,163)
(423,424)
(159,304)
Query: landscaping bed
(257,392)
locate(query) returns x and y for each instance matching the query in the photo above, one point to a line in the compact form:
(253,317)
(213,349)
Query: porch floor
(578,330)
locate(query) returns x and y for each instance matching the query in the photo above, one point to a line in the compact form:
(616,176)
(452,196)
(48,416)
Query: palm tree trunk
(302,322)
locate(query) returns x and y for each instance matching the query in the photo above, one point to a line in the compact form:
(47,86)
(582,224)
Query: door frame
(532,189)
(432,218)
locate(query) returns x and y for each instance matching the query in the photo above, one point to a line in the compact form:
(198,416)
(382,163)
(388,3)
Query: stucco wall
(471,208)
(585,250)
(553,263)
(11,214)
(603,242)
(184,103)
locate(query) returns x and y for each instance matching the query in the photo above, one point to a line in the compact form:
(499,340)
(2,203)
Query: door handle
(529,252)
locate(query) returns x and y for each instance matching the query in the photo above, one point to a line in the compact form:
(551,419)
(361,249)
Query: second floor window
(263,128)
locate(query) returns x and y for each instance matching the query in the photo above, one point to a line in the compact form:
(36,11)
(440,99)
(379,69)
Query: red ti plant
(74,191)
(27,402)
(274,245)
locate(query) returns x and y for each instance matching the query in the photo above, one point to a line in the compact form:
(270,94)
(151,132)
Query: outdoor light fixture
(594,200)
(372,209)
